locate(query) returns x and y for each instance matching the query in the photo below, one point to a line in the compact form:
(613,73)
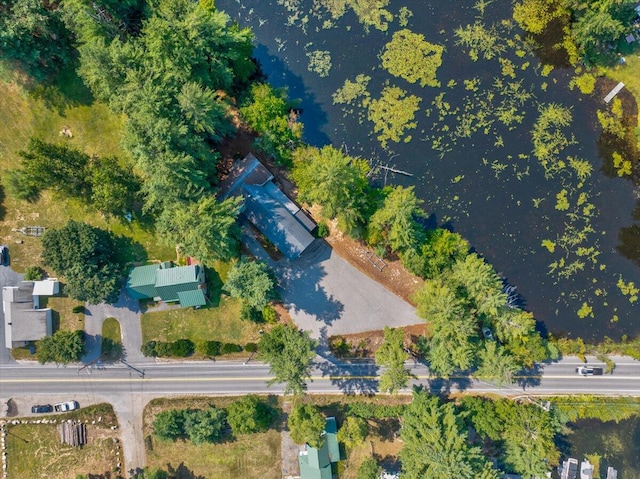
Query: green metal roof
(171,281)
(192,298)
(310,463)
(141,281)
(331,440)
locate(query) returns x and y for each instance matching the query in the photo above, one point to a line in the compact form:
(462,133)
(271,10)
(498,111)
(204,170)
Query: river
(480,180)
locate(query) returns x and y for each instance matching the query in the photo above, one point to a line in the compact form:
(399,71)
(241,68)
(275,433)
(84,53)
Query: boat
(586,470)
(612,473)
(568,469)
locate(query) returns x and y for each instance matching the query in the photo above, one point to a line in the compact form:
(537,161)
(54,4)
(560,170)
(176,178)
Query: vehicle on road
(589,371)
(41,408)
(66,406)
(4,255)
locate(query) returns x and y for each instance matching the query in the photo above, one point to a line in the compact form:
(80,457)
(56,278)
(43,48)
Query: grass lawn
(221,323)
(628,74)
(250,456)
(42,113)
(111,339)
(34,450)
(63,316)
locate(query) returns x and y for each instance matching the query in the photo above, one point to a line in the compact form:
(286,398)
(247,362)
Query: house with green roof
(168,283)
(315,463)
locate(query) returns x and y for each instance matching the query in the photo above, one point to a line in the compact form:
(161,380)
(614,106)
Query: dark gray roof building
(283,222)
(24,320)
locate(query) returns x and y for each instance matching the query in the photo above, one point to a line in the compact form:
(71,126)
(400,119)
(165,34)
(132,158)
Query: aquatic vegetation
(404,14)
(562,203)
(353,92)
(550,245)
(611,121)
(622,165)
(371,13)
(319,62)
(548,139)
(585,310)
(480,40)
(408,55)
(586,83)
(581,167)
(628,289)
(392,114)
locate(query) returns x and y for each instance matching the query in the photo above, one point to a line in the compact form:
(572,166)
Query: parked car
(40,408)
(66,406)
(488,335)
(4,255)
(589,371)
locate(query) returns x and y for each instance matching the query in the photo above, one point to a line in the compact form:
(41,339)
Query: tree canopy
(251,282)
(289,353)
(435,443)
(392,356)
(85,257)
(63,347)
(249,414)
(336,182)
(306,425)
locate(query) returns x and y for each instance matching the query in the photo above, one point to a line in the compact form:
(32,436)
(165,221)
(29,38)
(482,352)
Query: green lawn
(629,75)
(34,450)
(42,113)
(221,323)
(249,456)
(111,338)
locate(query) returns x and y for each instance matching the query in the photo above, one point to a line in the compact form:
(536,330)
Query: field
(42,113)
(34,450)
(221,323)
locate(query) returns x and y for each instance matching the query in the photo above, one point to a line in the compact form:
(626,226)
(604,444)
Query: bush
(33,273)
(369,469)
(78,309)
(249,313)
(251,347)
(229,348)
(339,346)
(182,348)
(323,230)
(249,415)
(163,349)
(269,315)
(63,347)
(149,349)
(209,348)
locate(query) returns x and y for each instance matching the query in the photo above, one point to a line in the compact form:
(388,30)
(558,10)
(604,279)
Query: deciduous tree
(249,414)
(251,282)
(63,347)
(306,424)
(289,352)
(392,356)
(353,432)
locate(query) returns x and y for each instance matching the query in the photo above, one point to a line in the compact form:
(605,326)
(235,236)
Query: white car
(66,406)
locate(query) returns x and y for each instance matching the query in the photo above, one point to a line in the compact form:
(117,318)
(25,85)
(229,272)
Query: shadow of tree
(182,472)
(530,377)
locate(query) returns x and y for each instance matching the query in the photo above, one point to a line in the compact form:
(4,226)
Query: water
(617,444)
(488,187)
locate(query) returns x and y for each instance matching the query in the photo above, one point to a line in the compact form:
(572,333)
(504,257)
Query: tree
(113,188)
(392,356)
(169,425)
(496,364)
(204,425)
(392,114)
(251,282)
(249,415)
(408,55)
(63,347)
(336,182)
(435,443)
(353,432)
(205,229)
(85,256)
(306,425)
(289,352)
(394,224)
(32,34)
(268,112)
(482,286)
(440,250)
(369,469)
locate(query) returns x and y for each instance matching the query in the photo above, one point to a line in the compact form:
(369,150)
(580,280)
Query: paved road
(129,391)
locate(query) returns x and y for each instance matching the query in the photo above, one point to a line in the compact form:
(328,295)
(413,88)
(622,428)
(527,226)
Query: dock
(614,92)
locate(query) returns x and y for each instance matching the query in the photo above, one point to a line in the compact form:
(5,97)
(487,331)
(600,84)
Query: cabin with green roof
(172,284)
(315,463)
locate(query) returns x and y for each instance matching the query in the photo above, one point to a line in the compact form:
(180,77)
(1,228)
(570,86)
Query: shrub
(149,349)
(323,230)
(209,348)
(369,469)
(269,315)
(78,309)
(251,347)
(33,273)
(339,346)
(229,348)
(163,349)
(249,415)
(182,348)
(249,313)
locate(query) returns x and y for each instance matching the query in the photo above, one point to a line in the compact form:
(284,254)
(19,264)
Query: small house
(272,212)
(172,284)
(24,319)
(315,463)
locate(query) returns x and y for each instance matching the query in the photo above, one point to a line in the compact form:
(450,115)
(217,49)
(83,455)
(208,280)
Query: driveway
(326,295)
(127,311)
(8,277)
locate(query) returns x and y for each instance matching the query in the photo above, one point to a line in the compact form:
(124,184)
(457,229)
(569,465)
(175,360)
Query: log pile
(73,433)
